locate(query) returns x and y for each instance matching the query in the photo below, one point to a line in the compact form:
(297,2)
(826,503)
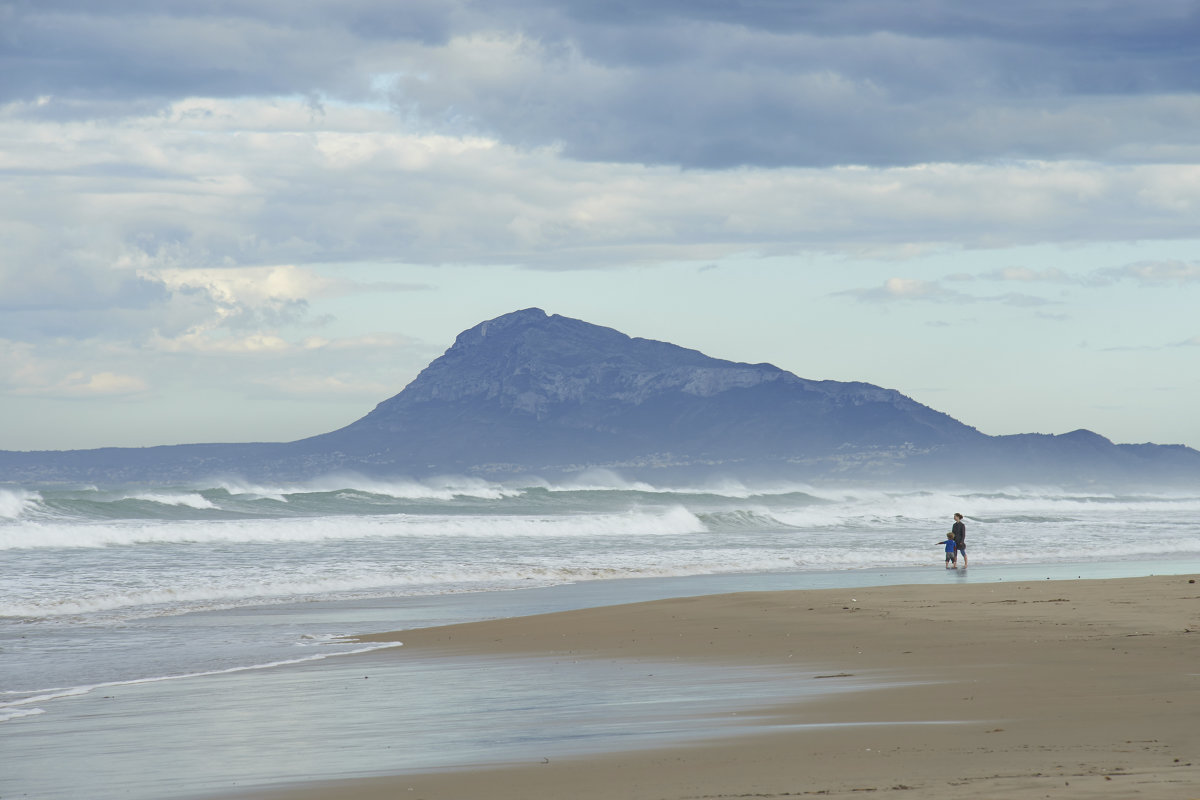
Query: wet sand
(1062,689)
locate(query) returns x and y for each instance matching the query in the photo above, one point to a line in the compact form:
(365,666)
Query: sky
(253,221)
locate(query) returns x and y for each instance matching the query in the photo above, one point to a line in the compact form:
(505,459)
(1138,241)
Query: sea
(195,640)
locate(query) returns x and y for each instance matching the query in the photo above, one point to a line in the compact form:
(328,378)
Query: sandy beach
(1062,689)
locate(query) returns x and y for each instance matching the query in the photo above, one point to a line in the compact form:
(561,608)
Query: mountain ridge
(529,393)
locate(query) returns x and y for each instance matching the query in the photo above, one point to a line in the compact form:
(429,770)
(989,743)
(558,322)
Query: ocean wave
(444,488)
(742,519)
(95,519)
(592,492)
(675,520)
(189,499)
(593,481)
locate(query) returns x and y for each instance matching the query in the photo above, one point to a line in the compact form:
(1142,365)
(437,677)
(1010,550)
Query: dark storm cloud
(700,84)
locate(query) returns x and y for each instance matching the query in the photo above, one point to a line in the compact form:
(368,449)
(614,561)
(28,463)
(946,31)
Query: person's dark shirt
(960,532)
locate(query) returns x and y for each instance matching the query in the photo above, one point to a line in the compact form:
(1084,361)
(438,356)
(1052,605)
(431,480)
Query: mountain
(532,394)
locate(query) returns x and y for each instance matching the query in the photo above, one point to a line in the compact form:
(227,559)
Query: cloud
(904,289)
(45,295)
(1022,300)
(253,184)
(208,341)
(248,305)
(1154,273)
(1027,275)
(131,50)
(201,341)
(254,285)
(1149,274)
(707,85)
(734,95)
(203,227)
(101,383)
(910,290)
(81,385)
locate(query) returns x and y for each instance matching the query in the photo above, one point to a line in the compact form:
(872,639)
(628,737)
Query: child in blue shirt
(951,551)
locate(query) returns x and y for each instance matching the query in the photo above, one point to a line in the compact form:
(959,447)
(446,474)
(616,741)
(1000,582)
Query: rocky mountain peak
(529,360)
(474,337)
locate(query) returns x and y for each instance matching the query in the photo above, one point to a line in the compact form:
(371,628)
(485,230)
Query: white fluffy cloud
(246,186)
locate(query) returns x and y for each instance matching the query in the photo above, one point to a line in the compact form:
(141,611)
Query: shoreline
(1077,688)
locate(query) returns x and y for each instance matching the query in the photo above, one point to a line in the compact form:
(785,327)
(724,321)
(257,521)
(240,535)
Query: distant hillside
(532,394)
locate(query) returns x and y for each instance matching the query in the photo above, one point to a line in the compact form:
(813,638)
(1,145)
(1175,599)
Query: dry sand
(1060,689)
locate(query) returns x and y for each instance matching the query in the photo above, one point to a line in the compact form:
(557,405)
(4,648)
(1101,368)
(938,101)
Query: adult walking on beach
(959,532)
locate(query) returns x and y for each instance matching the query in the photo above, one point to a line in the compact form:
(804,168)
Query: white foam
(99,570)
(651,522)
(443,488)
(242,488)
(436,488)
(17,713)
(180,594)
(15,503)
